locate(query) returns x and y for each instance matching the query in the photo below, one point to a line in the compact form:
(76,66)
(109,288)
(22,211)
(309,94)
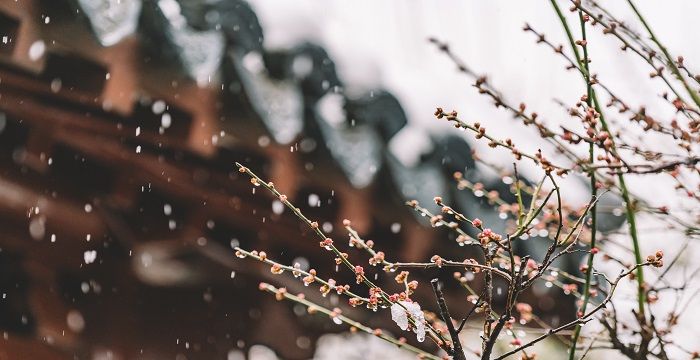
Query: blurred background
(121,121)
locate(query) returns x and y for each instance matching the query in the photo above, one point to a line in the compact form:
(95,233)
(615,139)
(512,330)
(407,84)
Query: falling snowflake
(90,256)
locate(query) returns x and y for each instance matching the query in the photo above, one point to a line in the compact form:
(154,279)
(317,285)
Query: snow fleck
(400,313)
(327,227)
(75,321)
(166,120)
(56,85)
(36,50)
(90,256)
(158,107)
(263,141)
(314,200)
(37,227)
(277,207)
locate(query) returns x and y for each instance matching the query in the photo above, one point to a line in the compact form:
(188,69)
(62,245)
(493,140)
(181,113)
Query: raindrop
(167,209)
(395,228)
(88,208)
(235,243)
(138,130)
(172,224)
(138,149)
(337,320)
(233,274)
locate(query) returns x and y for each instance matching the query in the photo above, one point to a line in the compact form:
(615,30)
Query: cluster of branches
(609,158)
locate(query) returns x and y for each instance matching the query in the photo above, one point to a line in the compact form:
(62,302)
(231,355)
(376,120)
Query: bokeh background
(121,121)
